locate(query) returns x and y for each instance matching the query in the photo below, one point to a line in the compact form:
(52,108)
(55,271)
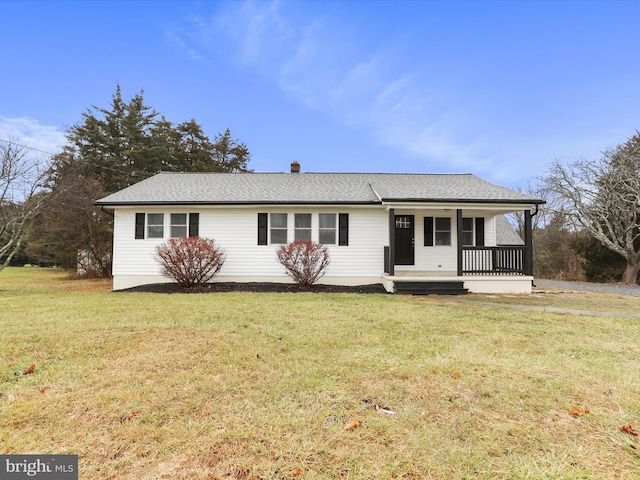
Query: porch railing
(493,260)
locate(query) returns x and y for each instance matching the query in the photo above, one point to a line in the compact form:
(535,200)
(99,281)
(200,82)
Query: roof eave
(205,203)
(528,201)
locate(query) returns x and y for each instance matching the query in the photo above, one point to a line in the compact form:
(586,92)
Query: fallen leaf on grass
(630,430)
(29,370)
(456,375)
(385,410)
(352,425)
(579,411)
(298,472)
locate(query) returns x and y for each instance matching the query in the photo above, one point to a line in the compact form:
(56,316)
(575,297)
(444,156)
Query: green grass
(242,385)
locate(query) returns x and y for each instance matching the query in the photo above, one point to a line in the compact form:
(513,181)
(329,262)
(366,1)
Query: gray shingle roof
(505,232)
(312,188)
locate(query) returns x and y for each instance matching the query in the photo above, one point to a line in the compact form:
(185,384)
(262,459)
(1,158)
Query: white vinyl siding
(234,229)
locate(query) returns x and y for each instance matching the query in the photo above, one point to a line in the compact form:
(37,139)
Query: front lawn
(302,385)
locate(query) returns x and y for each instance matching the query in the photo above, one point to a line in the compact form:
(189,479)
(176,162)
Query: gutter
(106,211)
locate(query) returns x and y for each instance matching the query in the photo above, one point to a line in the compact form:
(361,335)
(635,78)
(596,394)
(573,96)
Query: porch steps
(430,288)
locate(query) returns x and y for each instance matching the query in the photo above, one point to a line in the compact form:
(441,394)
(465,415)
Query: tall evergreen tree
(110,149)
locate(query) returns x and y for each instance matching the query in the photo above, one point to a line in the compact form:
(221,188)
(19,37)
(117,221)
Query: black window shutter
(139,226)
(479,232)
(262,228)
(428,231)
(343,229)
(194,224)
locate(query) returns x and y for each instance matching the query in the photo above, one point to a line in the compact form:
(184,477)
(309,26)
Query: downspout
(112,215)
(536,212)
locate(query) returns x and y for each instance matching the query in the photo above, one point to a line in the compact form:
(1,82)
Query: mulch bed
(256,287)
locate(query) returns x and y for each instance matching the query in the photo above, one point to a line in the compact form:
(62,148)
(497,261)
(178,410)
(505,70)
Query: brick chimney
(295,167)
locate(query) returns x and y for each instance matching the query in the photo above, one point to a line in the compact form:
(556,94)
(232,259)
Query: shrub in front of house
(304,261)
(190,261)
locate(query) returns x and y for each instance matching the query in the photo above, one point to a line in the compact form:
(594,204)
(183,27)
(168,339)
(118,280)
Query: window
(327,228)
(443,231)
(403,222)
(278,227)
(473,232)
(155,225)
(302,226)
(178,225)
(332,228)
(467,232)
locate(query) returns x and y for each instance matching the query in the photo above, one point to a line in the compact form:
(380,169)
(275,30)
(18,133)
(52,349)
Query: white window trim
(286,229)
(334,228)
(185,225)
(147,226)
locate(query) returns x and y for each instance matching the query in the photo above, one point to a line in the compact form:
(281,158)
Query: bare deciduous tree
(554,235)
(603,197)
(20,196)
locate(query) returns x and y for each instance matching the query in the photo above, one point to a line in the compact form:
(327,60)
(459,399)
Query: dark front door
(404,240)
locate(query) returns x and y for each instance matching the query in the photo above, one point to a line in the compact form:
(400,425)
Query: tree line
(51,218)
(590,227)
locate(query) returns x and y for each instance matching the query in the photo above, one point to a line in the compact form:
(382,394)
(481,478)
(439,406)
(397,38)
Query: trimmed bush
(190,261)
(304,261)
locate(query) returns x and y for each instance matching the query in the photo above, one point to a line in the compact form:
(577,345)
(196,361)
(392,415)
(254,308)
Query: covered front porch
(472,266)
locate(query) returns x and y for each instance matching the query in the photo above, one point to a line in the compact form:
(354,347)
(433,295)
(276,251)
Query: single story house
(409,232)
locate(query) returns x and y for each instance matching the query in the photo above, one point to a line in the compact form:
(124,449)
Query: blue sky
(498,89)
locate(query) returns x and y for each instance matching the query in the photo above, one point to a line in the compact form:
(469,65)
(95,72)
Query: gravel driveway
(620,289)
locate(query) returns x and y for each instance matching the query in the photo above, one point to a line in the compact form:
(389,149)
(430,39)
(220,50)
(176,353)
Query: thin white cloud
(323,65)
(40,139)
(264,28)
(179,41)
(320,66)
